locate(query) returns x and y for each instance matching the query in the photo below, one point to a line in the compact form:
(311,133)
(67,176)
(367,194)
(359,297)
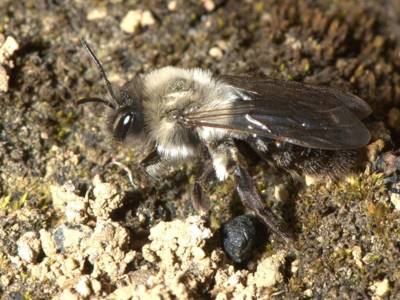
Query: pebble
(308,293)
(29,247)
(5,281)
(269,270)
(216,52)
(209,5)
(357,255)
(292,42)
(75,211)
(70,264)
(198,253)
(310,180)
(395,199)
(4,78)
(68,238)
(380,288)
(48,244)
(185,239)
(369,258)
(142,218)
(295,266)
(8,46)
(131,22)
(96,286)
(147,19)
(281,193)
(62,195)
(172,5)
(68,294)
(238,238)
(135,19)
(107,199)
(96,14)
(83,286)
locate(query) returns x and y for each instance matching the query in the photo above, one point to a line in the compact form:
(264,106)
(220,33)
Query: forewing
(290,112)
(264,89)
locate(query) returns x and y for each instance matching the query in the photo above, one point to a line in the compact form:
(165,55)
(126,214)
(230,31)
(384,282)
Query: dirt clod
(29,247)
(8,46)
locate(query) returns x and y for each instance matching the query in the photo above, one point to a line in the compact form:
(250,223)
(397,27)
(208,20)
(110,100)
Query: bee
(191,115)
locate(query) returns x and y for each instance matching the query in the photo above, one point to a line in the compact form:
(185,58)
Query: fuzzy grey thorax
(172,92)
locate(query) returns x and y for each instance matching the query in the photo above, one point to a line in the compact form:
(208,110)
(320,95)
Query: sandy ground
(73,227)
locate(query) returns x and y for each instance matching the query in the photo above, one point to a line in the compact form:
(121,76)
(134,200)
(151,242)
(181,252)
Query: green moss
(269,250)
(259,6)
(65,120)
(27,296)
(5,202)
(306,65)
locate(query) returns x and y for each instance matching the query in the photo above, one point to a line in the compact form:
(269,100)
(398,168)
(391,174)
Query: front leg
(152,163)
(199,202)
(203,171)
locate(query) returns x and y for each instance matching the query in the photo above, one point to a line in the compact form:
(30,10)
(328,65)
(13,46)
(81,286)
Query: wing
(304,115)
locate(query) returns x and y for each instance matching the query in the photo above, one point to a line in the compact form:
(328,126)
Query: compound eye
(123,124)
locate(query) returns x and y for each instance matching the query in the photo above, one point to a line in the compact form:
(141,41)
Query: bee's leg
(199,202)
(226,159)
(250,197)
(152,163)
(152,158)
(127,170)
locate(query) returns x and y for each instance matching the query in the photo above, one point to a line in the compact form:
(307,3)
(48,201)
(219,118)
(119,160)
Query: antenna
(98,100)
(102,72)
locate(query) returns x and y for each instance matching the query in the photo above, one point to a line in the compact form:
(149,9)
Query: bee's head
(126,120)
(126,117)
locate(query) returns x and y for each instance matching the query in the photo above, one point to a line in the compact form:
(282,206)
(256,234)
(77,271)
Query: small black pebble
(239,238)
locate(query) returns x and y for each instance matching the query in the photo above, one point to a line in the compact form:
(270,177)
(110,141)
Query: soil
(72,225)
